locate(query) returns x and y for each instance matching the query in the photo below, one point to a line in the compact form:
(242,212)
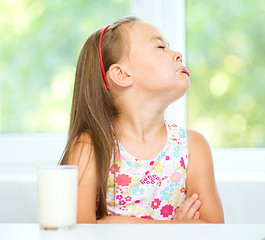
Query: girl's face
(154,67)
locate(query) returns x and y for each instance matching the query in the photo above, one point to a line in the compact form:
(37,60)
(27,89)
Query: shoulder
(194,135)
(200,166)
(196,140)
(199,152)
(81,144)
(81,152)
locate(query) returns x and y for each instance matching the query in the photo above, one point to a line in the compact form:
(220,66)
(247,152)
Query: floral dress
(152,189)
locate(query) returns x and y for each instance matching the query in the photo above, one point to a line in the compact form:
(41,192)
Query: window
(216,94)
(225,55)
(41,40)
(40,44)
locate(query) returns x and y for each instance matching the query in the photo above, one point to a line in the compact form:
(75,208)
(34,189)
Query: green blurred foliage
(40,41)
(225,55)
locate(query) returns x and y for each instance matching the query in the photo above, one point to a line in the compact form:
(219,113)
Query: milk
(57,187)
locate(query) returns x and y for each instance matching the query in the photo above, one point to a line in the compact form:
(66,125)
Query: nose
(177,56)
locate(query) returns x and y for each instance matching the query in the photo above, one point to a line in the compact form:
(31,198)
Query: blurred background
(223,47)
(41,40)
(40,44)
(225,51)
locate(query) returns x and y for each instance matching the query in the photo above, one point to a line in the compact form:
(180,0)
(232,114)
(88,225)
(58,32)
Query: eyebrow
(160,39)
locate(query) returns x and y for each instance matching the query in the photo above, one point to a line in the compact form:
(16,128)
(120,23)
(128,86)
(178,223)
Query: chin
(176,95)
(180,92)
(186,86)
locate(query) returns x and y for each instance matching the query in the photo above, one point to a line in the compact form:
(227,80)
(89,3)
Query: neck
(141,123)
(142,133)
(141,114)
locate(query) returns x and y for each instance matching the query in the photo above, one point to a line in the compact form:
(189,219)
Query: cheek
(158,72)
(143,70)
(153,71)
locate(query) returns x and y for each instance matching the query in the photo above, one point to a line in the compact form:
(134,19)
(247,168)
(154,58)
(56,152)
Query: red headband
(100,56)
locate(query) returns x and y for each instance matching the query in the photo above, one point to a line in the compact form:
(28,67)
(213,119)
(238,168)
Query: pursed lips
(183,69)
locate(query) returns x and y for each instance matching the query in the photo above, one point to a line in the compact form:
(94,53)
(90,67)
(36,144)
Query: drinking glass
(57,192)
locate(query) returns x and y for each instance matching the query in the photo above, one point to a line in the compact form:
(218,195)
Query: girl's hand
(189,209)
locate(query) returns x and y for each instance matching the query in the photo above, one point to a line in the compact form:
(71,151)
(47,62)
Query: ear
(119,76)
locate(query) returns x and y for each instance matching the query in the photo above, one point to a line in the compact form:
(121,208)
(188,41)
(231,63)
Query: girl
(134,167)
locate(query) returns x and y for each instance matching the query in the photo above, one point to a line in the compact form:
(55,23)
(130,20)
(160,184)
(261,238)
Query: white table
(136,232)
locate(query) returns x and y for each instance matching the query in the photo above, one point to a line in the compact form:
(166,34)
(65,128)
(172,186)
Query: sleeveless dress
(152,189)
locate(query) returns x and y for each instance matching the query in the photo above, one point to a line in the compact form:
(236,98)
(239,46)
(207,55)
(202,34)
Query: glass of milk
(57,192)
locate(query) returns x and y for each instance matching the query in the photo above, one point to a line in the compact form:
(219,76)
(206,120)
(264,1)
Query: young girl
(135,167)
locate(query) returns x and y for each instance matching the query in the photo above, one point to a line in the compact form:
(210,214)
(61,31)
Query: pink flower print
(124,180)
(147,217)
(152,163)
(167,158)
(150,179)
(122,202)
(183,190)
(143,181)
(166,210)
(156,203)
(175,177)
(114,167)
(119,197)
(182,163)
(159,183)
(137,201)
(128,198)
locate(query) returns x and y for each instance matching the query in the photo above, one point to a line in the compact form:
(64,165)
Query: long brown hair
(93,108)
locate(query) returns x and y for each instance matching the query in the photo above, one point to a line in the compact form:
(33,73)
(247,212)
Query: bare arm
(200,178)
(82,156)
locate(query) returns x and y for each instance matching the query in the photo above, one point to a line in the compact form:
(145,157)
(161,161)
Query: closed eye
(162,47)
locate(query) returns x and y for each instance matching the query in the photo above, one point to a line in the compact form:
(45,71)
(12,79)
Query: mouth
(183,69)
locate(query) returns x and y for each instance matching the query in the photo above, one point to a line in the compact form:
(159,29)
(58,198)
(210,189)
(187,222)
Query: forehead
(143,33)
